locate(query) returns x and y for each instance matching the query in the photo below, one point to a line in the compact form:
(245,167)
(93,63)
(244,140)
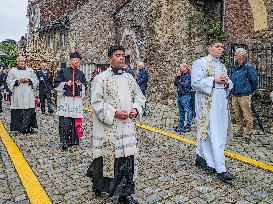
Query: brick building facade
(161,33)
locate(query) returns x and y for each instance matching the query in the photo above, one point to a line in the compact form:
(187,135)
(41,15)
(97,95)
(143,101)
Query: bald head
(140,65)
(44,65)
(21,61)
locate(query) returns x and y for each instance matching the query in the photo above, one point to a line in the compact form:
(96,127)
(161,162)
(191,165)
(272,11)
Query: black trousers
(43,99)
(23,119)
(122,184)
(67,131)
(1,101)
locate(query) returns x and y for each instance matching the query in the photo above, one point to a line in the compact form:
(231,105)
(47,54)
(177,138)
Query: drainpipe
(223,10)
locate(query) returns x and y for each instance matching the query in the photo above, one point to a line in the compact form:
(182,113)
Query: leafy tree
(10,48)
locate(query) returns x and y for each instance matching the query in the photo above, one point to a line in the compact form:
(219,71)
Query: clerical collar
(214,58)
(118,71)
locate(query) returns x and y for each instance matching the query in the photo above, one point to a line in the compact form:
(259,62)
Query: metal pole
(223,15)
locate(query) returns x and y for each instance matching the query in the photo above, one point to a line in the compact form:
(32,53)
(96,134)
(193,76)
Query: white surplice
(113,137)
(212,148)
(22,95)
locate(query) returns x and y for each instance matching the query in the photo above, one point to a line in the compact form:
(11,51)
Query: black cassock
(67,130)
(45,87)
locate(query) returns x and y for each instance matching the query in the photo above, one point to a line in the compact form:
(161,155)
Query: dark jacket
(244,79)
(45,83)
(66,74)
(183,84)
(142,79)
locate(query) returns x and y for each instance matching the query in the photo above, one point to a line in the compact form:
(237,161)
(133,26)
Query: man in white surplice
(22,82)
(210,80)
(116,100)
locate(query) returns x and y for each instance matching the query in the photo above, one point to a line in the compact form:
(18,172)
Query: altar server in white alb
(116,100)
(22,81)
(210,80)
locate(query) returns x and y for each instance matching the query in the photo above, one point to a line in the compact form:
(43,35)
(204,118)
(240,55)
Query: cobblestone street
(166,171)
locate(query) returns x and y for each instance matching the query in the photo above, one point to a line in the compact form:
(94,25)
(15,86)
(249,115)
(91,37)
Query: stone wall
(163,34)
(94,28)
(239,22)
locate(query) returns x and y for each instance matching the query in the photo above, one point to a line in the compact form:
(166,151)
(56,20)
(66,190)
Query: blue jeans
(184,105)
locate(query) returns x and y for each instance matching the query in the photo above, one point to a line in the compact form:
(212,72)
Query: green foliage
(214,30)
(10,49)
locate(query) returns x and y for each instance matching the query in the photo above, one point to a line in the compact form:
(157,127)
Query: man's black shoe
(127,200)
(89,171)
(64,147)
(237,135)
(225,176)
(200,162)
(31,130)
(211,170)
(50,111)
(98,193)
(246,139)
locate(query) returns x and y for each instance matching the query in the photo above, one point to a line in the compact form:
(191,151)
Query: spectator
(183,86)
(245,81)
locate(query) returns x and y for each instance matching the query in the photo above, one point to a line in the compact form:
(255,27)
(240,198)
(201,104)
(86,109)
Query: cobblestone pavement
(11,190)
(166,172)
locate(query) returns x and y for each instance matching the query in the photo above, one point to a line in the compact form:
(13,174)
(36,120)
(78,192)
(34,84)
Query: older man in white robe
(116,100)
(22,81)
(210,80)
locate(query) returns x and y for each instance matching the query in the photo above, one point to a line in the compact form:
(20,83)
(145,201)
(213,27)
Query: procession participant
(21,82)
(70,85)
(210,80)
(116,100)
(45,87)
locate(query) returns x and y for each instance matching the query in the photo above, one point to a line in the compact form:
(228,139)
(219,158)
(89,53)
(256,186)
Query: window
(63,39)
(36,18)
(74,40)
(50,41)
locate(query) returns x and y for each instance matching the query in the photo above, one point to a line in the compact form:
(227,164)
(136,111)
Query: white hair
(241,51)
(141,64)
(20,57)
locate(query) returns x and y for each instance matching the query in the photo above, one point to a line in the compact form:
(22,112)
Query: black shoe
(127,200)
(200,162)
(225,176)
(97,193)
(211,170)
(237,135)
(246,139)
(30,130)
(50,111)
(89,171)
(64,147)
